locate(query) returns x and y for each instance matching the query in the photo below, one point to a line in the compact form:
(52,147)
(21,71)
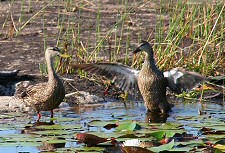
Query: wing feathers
(124,77)
(180,80)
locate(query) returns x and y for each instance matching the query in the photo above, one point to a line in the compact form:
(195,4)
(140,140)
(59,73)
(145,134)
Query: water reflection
(33,127)
(52,146)
(67,122)
(156,117)
(53,142)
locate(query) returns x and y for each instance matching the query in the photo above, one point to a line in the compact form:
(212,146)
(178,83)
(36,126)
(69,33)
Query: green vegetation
(183,132)
(189,34)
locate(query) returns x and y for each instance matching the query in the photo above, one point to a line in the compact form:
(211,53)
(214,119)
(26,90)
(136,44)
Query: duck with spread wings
(149,81)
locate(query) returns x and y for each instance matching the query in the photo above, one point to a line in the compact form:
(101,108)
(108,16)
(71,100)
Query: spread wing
(123,76)
(180,80)
(218,80)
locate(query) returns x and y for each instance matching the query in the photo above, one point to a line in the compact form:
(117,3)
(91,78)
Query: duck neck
(50,67)
(150,62)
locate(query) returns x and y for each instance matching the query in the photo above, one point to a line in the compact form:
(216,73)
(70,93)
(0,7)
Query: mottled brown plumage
(151,82)
(48,95)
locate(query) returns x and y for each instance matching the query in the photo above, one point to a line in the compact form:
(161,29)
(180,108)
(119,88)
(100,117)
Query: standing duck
(48,95)
(149,81)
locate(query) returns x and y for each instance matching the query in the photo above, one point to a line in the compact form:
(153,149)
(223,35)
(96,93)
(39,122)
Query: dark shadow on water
(30,128)
(156,117)
(38,123)
(46,146)
(52,146)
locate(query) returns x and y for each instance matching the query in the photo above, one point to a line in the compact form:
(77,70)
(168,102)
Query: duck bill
(56,49)
(136,51)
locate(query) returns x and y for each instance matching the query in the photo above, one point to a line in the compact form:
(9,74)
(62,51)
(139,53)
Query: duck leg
(39,116)
(52,114)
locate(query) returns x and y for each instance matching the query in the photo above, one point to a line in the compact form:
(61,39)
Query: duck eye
(56,49)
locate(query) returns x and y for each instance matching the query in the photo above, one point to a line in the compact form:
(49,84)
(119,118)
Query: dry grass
(183,33)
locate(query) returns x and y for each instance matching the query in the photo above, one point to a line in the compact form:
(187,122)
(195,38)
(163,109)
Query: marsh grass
(196,37)
(184,33)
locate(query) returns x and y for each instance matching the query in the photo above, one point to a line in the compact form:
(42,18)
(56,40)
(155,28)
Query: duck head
(144,46)
(53,51)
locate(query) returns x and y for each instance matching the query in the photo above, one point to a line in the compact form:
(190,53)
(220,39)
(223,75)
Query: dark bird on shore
(149,81)
(44,96)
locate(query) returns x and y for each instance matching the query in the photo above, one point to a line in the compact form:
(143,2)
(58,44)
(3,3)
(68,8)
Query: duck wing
(218,80)
(123,76)
(180,80)
(31,93)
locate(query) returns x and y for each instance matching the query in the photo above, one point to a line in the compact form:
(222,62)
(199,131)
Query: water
(15,137)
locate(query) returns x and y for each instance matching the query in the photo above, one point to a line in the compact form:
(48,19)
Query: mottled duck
(149,81)
(48,95)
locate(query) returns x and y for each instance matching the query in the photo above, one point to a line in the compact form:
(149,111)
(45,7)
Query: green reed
(185,34)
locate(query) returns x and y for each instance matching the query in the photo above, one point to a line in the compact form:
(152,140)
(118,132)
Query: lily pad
(59,127)
(168,146)
(100,123)
(220,147)
(51,132)
(163,134)
(129,126)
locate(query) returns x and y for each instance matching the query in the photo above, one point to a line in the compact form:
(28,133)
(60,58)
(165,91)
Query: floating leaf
(90,139)
(101,123)
(132,149)
(90,149)
(159,135)
(56,140)
(192,143)
(181,149)
(219,146)
(60,119)
(10,144)
(129,126)
(52,132)
(170,126)
(168,146)
(59,127)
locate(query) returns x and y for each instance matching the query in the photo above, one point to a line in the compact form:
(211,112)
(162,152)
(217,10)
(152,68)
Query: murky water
(18,134)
